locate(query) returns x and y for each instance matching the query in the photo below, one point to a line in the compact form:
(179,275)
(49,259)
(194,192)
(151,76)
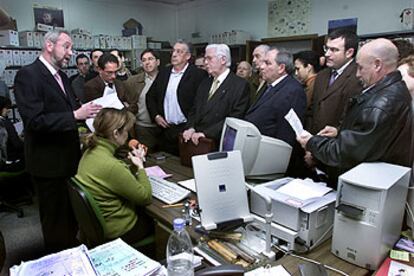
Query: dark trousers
(142,229)
(169,141)
(149,136)
(58,222)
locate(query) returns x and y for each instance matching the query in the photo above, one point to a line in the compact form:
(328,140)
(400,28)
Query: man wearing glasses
(335,85)
(49,111)
(172,95)
(106,83)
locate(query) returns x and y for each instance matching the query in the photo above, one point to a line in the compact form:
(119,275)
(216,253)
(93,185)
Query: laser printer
(303,211)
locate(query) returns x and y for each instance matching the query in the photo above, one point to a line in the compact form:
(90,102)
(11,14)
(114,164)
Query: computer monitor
(262,156)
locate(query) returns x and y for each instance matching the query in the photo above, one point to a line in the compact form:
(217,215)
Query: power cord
(310,260)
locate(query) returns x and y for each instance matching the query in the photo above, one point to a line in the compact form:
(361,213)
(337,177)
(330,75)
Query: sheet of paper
(400,255)
(294,122)
(188,184)
(399,269)
(156,171)
(275,270)
(73,261)
(110,100)
(118,258)
(19,127)
(303,189)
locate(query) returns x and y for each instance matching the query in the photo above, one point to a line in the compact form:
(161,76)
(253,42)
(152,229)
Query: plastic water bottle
(179,251)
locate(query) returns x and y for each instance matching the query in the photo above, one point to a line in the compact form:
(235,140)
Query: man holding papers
(106,83)
(378,124)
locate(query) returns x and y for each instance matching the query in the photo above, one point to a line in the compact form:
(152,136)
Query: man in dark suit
(335,85)
(172,95)
(283,93)
(106,83)
(49,111)
(222,95)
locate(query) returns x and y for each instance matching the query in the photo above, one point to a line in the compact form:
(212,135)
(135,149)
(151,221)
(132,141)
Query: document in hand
(118,258)
(110,100)
(294,122)
(74,261)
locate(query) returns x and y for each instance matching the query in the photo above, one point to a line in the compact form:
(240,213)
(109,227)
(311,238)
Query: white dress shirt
(172,109)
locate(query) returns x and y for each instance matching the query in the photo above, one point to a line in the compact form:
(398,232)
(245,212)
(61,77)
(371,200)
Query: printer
(303,211)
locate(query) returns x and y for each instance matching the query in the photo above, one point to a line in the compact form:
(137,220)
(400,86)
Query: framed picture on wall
(48,16)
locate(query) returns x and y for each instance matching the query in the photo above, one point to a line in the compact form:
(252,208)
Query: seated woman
(11,146)
(117,191)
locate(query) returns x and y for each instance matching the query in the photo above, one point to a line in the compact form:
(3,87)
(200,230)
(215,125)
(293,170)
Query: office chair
(89,217)
(7,178)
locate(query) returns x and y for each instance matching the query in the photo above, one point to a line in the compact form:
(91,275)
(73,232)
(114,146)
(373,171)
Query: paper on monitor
(110,100)
(303,189)
(294,122)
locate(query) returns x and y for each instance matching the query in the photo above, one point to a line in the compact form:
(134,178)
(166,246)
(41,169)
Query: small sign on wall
(48,16)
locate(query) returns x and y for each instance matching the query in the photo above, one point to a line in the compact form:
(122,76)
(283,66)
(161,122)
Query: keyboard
(167,191)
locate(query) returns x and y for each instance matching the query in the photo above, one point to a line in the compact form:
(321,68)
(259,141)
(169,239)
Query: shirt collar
(49,66)
(342,69)
(273,84)
(223,75)
(181,72)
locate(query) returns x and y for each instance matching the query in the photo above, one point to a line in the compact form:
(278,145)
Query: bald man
(378,125)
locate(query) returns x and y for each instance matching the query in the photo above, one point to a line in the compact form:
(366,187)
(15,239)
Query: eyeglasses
(179,51)
(147,59)
(109,73)
(332,49)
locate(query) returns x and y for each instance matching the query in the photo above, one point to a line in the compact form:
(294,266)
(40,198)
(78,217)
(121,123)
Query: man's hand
(304,138)
(88,110)
(328,131)
(309,161)
(196,136)
(161,121)
(187,134)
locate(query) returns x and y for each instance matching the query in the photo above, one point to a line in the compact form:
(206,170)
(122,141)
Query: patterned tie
(213,88)
(334,74)
(60,82)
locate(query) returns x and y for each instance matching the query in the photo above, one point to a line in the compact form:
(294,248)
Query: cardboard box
(9,38)
(37,41)
(26,39)
(8,57)
(16,58)
(139,42)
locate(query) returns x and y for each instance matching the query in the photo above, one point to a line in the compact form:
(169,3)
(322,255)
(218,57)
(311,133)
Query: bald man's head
(376,59)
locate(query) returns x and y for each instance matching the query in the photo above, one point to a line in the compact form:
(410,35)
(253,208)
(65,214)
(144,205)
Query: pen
(173,205)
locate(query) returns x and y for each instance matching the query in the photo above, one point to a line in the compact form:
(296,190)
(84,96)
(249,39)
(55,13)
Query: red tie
(59,80)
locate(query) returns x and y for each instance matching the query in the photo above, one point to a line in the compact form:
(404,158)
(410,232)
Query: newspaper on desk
(118,258)
(74,261)
(110,100)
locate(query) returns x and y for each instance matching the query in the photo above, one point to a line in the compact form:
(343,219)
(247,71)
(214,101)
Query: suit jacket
(50,132)
(186,90)
(231,99)
(329,103)
(268,113)
(135,84)
(95,88)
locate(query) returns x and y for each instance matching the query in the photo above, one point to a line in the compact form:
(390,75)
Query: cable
(310,260)
(410,211)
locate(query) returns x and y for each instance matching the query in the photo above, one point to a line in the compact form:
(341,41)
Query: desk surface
(172,165)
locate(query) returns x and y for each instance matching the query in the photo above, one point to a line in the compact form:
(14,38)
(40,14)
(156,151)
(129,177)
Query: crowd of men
(356,109)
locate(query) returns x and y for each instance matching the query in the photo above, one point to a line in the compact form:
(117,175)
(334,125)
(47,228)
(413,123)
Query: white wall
(215,16)
(100,16)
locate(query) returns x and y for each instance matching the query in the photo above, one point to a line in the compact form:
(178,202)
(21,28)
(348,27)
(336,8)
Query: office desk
(164,218)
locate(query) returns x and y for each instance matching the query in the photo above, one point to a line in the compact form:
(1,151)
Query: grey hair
(187,44)
(264,47)
(53,36)
(284,57)
(222,50)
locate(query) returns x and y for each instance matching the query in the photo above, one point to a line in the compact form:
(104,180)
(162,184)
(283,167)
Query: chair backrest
(90,220)
(188,149)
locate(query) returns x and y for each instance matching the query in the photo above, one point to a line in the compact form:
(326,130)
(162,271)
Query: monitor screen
(229,138)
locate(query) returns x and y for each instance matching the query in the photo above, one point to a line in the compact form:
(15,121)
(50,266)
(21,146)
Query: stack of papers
(118,258)
(73,261)
(112,258)
(303,192)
